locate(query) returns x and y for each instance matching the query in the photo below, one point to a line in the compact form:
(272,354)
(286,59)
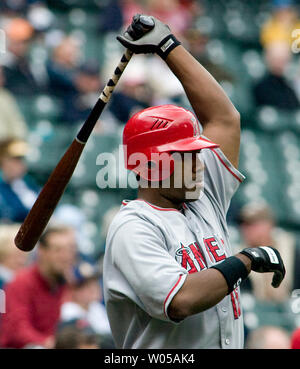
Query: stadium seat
(266,313)
(86,173)
(38,108)
(26,108)
(275,120)
(259,163)
(99,205)
(254,63)
(47,107)
(47,144)
(287,144)
(295,121)
(227,54)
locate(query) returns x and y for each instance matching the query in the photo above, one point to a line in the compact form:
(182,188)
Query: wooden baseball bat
(44,206)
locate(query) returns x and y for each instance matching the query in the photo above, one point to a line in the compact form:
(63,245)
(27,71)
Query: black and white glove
(266,259)
(147,34)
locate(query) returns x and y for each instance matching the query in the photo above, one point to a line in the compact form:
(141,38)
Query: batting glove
(147,34)
(266,259)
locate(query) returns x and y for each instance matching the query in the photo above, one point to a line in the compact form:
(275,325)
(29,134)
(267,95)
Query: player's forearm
(208,99)
(201,291)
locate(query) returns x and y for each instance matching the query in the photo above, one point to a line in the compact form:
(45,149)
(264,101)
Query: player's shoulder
(131,210)
(141,208)
(133,213)
(218,165)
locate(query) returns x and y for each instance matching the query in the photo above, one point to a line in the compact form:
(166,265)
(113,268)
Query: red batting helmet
(154,131)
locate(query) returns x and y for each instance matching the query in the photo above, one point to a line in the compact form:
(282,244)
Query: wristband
(167,45)
(234,271)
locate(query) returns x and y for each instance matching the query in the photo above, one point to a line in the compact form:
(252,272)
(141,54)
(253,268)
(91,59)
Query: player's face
(187,180)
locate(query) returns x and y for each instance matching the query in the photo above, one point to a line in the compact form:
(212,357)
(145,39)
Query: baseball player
(170,280)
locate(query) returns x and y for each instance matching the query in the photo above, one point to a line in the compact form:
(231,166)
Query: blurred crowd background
(59,54)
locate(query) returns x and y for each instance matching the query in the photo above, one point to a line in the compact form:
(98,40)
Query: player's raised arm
(217,114)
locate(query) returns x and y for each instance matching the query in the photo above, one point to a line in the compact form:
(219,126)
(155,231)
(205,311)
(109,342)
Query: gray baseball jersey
(149,253)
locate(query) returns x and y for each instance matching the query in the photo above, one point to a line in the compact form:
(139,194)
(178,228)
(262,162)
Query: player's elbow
(189,301)
(229,121)
(182,306)
(177,310)
(232,118)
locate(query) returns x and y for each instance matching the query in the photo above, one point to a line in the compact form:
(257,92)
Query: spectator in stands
(147,82)
(141,88)
(279,27)
(274,89)
(175,13)
(87,85)
(34,297)
(129,8)
(18,6)
(76,218)
(111,17)
(295,340)
(77,85)
(11,258)
(12,124)
(18,190)
(19,78)
(85,302)
(258,228)
(73,336)
(268,337)
(62,67)
(134,92)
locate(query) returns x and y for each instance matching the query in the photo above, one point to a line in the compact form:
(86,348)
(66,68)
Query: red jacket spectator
(34,297)
(32,310)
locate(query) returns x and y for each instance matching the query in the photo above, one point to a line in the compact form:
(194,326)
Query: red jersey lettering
(190,257)
(186,261)
(198,255)
(235,304)
(212,245)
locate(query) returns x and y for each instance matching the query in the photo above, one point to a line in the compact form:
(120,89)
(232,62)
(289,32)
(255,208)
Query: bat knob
(140,25)
(146,21)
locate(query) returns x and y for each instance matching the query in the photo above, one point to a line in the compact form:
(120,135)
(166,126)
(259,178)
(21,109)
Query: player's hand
(266,259)
(147,34)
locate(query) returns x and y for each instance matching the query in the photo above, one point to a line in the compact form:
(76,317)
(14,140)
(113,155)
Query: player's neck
(154,197)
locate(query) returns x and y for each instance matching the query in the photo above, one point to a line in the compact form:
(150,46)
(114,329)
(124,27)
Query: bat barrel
(43,208)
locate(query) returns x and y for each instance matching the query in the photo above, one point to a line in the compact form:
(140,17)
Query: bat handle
(92,119)
(109,88)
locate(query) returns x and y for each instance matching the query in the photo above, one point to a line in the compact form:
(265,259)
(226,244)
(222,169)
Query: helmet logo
(196,127)
(160,122)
